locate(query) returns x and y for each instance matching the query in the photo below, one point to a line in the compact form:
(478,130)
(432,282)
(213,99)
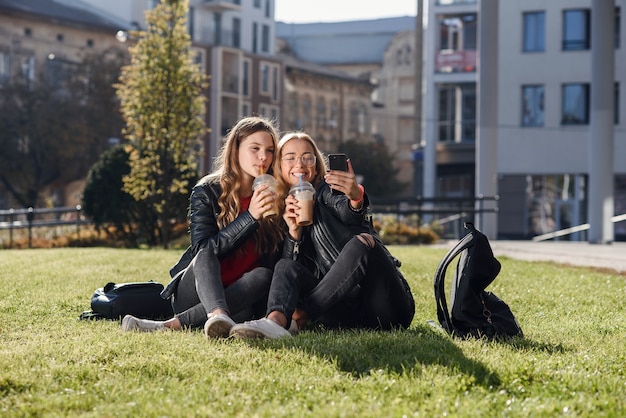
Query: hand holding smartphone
(338,162)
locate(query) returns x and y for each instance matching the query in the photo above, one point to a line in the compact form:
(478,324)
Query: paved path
(611,256)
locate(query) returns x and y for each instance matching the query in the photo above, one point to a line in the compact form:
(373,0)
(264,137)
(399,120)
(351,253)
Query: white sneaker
(260,328)
(293,327)
(218,326)
(131,323)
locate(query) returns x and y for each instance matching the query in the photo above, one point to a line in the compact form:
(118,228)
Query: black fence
(30,218)
(450,213)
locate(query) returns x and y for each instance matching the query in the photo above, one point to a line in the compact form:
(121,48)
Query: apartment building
(543,93)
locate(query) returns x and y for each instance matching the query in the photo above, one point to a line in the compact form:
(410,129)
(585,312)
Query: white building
(543,97)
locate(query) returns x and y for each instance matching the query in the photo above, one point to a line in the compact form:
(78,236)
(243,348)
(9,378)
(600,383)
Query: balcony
(454,2)
(219,6)
(451,61)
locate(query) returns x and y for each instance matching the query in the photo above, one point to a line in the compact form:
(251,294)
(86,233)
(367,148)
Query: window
(306,112)
(275,83)
(270,112)
(618,31)
(294,119)
(616,104)
(534,32)
(265,78)
(321,113)
(458,33)
(576,33)
(199,58)
(255,37)
(269,80)
(246,87)
(268,10)
(334,114)
(457,112)
(236,32)
(265,40)
(5,68)
(575,104)
(245,109)
(532,105)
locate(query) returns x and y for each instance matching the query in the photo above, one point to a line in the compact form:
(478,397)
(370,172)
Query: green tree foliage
(105,201)
(161,102)
(373,162)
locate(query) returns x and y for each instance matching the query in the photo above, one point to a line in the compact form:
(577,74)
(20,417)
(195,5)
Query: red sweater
(243,259)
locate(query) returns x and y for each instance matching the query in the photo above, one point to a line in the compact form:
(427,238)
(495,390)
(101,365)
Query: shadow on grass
(359,352)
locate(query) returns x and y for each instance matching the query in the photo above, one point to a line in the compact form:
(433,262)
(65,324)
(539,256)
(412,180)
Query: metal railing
(446,211)
(573,229)
(30,218)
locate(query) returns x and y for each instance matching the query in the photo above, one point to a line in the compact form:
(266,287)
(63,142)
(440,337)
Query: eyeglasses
(308,160)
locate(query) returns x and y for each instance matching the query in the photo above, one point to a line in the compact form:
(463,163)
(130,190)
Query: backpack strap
(443,314)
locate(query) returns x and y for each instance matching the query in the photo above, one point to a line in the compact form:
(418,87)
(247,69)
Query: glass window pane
(534,32)
(576,30)
(532,105)
(575,104)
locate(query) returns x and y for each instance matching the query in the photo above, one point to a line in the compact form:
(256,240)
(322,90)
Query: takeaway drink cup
(304,192)
(271,182)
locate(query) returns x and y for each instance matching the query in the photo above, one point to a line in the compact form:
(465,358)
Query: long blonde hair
(320,164)
(229,174)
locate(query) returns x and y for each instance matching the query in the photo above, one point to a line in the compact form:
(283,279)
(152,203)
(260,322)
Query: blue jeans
(200,291)
(363,289)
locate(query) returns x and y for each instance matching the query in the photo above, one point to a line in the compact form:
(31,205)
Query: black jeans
(200,291)
(363,289)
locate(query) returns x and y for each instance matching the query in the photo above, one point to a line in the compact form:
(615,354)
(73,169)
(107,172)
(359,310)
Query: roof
(354,42)
(291,63)
(73,11)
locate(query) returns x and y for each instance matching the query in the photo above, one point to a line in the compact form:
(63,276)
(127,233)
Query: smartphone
(338,162)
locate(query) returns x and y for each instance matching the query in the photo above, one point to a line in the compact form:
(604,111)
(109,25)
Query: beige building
(330,105)
(49,41)
(34,41)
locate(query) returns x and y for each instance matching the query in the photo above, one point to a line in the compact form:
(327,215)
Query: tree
(104,199)
(50,133)
(161,102)
(373,162)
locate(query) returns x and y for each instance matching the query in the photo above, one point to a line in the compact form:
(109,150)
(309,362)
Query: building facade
(330,105)
(543,93)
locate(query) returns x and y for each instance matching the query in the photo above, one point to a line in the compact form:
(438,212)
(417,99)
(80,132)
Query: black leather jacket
(204,232)
(334,224)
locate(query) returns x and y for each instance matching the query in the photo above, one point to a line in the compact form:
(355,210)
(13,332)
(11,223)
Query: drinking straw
(301,184)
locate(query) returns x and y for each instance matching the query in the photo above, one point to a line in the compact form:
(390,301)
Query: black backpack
(475,312)
(140,299)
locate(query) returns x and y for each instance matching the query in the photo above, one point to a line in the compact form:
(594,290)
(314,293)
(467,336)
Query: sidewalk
(610,256)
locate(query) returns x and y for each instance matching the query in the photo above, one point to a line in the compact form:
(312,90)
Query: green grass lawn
(570,363)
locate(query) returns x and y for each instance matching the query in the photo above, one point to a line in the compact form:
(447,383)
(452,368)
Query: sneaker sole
(218,329)
(247,333)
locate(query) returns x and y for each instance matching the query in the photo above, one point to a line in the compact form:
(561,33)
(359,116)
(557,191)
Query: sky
(310,11)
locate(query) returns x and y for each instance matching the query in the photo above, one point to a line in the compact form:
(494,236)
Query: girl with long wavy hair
(225,274)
